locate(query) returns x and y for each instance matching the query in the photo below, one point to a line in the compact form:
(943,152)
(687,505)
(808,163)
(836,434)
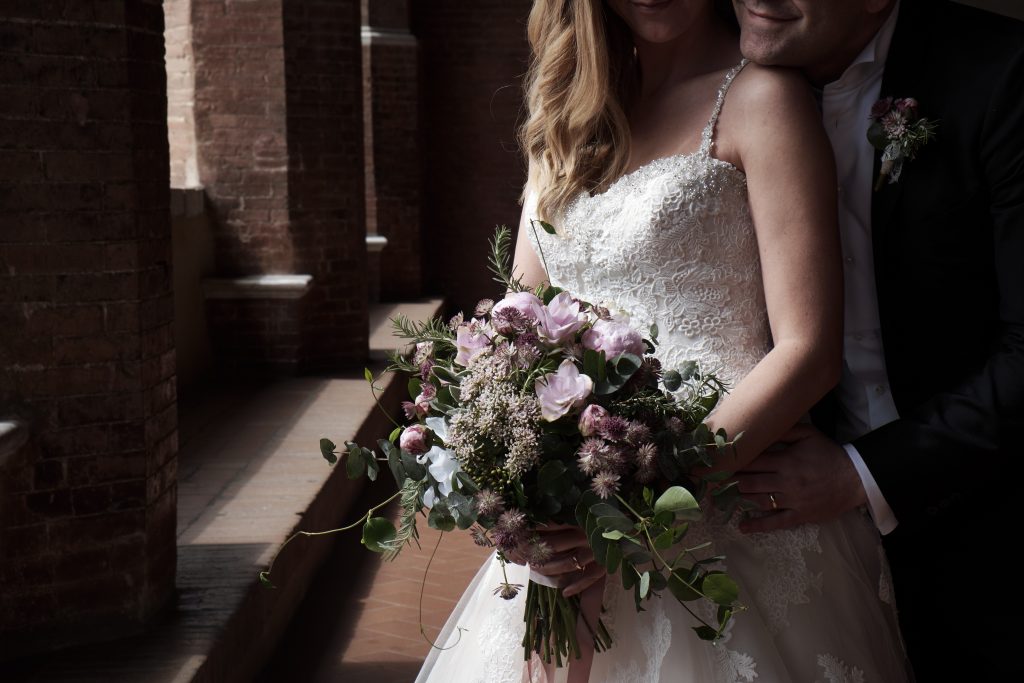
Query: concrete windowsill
(13,435)
(258,287)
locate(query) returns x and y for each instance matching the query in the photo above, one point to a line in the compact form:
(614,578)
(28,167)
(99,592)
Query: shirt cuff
(880,511)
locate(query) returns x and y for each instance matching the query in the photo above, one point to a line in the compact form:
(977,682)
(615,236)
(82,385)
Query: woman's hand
(572,562)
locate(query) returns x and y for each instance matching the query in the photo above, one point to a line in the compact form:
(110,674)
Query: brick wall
(279,131)
(87,508)
(391,122)
(471,62)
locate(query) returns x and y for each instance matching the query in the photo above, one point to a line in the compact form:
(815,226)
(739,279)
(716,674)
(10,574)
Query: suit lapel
(896,82)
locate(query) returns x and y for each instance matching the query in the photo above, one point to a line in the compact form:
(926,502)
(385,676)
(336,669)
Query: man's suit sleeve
(958,441)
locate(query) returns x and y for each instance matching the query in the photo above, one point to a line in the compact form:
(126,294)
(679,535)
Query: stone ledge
(250,475)
(258,287)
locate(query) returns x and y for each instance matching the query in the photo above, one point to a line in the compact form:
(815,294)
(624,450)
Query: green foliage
(500,265)
(327,450)
(378,532)
(407,532)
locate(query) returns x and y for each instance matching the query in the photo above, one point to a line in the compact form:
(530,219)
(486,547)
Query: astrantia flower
(424,352)
(614,428)
(538,553)
(637,433)
(512,520)
(562,391)
(561,319)
(505,540)
(479,535)
(591,455)
(646,455)
(508,591)
(455,321)
(489,503)
(605,484)
(483,307)
(614,338)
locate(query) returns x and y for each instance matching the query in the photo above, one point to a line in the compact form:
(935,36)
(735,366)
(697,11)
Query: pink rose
(881,108)
(562,391)
(614,338)
(591,419)
(907,105)
(561,319)
(526,305)
(415,439)
(471,339)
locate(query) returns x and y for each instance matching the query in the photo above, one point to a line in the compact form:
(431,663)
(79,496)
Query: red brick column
(87,506)
(279,131)
(472,62)
(391,122)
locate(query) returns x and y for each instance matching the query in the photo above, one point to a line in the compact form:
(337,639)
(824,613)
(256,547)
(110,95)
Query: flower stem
(265,575)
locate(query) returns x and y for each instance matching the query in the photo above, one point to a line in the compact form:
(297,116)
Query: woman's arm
(525,262)
(771,126)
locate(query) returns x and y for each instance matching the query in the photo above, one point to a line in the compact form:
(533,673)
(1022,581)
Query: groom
(928,413)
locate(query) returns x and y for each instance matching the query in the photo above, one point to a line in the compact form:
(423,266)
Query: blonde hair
(582,72)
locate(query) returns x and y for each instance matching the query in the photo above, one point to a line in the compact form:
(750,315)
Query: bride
(698,192)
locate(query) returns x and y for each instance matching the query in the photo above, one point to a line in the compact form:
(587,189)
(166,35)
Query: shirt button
(880,389)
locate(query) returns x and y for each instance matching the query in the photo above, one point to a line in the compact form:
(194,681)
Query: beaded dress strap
(708,136)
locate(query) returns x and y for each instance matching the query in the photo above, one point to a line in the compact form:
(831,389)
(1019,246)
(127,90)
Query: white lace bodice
(671,243)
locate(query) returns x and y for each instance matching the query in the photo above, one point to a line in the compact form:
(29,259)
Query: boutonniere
(899,131)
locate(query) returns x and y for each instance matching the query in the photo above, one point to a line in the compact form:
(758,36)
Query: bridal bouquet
(543,409)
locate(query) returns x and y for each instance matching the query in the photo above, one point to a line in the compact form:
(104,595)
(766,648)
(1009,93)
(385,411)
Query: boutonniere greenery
(899,131)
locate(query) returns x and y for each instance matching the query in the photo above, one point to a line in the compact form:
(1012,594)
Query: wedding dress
(673,243)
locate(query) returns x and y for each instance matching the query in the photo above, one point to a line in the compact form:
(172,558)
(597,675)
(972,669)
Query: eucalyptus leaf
(677,500)
(355,462)
(706,633)
(681,590)
(377,532)
(550,293)
(395,433)
(367,375)
(439,517)
(672,380)
(688,369)
(553,479)
(721,589)
(413,469)
(664,540)
(645,584)
(327,450)
(613,535)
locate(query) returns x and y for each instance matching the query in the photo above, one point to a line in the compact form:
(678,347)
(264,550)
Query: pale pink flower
(562,391)
(471,339)
(525,303)
(614,338)
(561,319)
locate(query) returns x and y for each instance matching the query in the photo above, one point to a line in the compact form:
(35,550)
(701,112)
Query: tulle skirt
(819,609)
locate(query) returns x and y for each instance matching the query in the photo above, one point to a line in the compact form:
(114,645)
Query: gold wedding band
(576,563)
(775,505)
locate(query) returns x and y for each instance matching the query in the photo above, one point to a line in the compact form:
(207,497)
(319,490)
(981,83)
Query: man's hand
(808,478)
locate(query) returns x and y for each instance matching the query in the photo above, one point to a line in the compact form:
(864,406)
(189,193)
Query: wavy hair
(582,73)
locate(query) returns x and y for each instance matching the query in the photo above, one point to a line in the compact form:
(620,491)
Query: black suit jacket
(949,265)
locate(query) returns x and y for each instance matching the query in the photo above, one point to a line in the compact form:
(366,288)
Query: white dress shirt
(865,401)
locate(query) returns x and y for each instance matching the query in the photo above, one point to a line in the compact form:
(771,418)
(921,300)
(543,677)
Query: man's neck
(826,72)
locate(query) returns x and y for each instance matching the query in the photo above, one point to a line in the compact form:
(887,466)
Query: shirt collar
(871,58)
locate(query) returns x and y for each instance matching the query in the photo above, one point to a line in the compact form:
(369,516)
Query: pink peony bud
(415,439)
(591,419)
(614,338)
